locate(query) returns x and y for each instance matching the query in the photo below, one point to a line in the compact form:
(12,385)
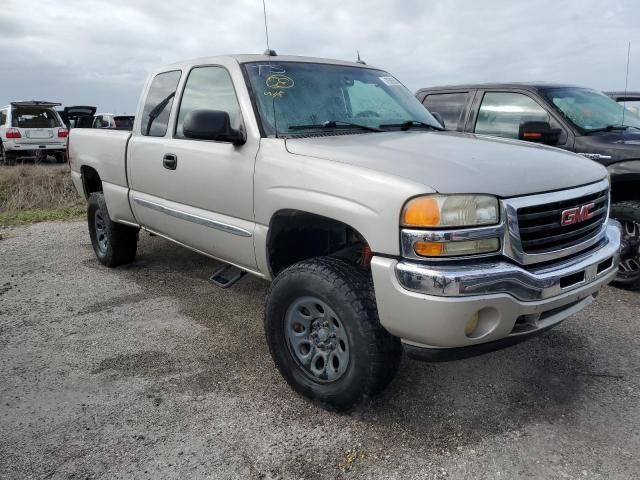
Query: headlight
(450,211)
(455,249)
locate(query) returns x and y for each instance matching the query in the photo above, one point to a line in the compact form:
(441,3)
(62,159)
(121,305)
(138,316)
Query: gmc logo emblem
(576,215)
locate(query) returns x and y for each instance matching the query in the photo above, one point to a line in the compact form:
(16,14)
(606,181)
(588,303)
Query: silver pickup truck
(377,229)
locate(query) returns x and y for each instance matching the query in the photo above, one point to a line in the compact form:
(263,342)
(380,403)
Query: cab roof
(248,58)
(533,86)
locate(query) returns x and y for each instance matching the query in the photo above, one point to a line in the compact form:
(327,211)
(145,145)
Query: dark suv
(577,119)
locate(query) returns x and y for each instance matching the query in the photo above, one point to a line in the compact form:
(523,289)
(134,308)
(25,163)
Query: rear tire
(6,158)
(60,157)
(324,335)
(628,214)
(113,243)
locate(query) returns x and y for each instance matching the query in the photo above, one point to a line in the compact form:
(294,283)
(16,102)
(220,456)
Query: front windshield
(303,98)
(589,109)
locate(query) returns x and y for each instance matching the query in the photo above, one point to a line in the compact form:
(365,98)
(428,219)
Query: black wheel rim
(630,250)
(100,229)
(317,339)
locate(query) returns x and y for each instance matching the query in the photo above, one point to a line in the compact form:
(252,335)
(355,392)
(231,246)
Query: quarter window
(157,106)
(3,117)
(208,88)
(450,106)
(501,114)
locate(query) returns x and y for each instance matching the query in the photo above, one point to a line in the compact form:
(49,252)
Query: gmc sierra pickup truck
(377,229)
(577,119)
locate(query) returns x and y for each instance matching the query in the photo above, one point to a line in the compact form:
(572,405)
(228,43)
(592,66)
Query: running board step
(227,276)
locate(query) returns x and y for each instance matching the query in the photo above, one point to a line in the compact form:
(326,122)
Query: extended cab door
(207,185)
(451,105)
(145,172)
(500,112)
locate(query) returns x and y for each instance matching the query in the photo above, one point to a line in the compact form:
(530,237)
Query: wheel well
(295,235)
(625,188)
(90,180)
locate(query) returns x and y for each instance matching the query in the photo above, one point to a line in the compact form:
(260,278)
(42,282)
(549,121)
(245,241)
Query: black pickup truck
(580,120)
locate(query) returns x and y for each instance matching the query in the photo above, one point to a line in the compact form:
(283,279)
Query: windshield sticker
(390,81)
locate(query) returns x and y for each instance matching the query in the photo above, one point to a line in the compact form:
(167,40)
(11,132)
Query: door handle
(170,161)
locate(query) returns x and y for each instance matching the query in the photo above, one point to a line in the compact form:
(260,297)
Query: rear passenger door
(147,176)
(499,113)
(451,106)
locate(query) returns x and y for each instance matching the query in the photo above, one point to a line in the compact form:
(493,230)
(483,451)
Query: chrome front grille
(541,229)
(535,231)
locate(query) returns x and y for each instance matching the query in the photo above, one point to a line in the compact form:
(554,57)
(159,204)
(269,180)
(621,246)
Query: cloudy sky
(98,52)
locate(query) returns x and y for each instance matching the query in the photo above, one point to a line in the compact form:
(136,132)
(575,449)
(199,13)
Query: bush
(31,193)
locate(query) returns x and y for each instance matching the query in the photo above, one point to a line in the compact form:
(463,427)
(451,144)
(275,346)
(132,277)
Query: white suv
(31,128)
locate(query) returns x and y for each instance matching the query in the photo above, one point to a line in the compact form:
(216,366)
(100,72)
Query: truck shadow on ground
(446,404)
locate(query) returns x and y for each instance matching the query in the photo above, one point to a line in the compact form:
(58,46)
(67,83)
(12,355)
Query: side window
(3,117)
(501,114)
(450,106)
(157,105)
(208,88)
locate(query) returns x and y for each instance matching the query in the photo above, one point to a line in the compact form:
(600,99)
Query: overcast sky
(98,52)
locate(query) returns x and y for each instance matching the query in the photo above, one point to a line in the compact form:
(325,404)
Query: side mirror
(211,125)
(438,117)
(539,132)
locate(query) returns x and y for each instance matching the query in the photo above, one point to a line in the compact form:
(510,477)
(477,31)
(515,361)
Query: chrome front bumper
(539,283)
(428,306)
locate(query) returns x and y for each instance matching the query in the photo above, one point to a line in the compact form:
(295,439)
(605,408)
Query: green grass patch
(23,217)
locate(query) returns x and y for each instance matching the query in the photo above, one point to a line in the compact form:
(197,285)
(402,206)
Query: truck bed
(105,151)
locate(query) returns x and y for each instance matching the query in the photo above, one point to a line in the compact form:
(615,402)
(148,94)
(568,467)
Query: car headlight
(423,218)
(450,211)
(456,249)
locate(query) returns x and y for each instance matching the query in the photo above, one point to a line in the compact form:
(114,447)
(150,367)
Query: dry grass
(32,193)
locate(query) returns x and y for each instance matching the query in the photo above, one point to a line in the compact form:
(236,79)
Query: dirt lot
(152,372)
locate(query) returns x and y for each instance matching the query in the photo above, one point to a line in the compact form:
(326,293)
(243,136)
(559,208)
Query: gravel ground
(150,371)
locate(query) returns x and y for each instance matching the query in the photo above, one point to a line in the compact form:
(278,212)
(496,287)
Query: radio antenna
(270,53)
(266,29)
(626,83)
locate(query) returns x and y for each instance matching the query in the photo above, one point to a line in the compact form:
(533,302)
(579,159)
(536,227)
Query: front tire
(628,214)
(113,243)
(324,335)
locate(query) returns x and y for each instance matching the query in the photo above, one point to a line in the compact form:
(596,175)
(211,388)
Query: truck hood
(449,162)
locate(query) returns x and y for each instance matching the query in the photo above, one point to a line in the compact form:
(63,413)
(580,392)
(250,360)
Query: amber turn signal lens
(428,249)
(421,212)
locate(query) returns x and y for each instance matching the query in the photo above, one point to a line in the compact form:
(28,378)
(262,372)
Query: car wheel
(113,243)
(324,335)
(6,158)
(60,157)
(628,214)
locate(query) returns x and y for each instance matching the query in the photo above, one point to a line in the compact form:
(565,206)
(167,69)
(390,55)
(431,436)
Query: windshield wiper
(411,124)
(334,124)
(608,128)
